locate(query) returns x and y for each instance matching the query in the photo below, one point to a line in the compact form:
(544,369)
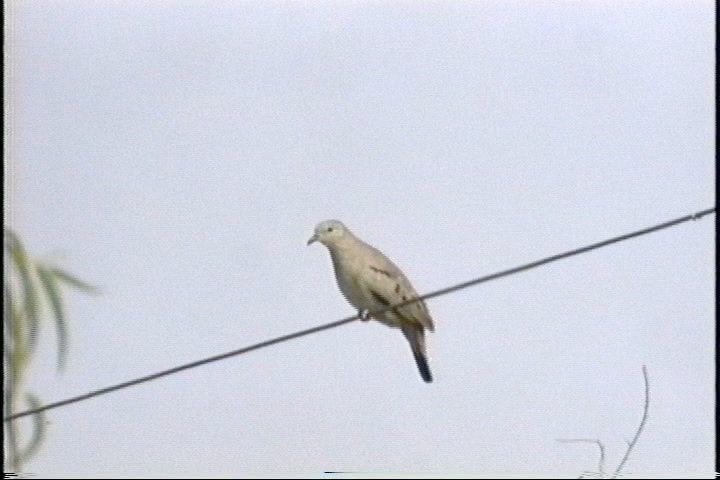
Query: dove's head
(329,232)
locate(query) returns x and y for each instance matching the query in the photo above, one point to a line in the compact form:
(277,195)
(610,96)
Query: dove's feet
(364,315)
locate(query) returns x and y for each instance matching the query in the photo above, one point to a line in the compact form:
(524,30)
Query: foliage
(32,294)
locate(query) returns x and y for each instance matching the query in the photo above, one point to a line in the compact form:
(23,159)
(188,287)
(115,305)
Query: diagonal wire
(337,323)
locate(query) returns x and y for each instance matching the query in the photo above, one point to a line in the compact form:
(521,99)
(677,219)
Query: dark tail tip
(423,367)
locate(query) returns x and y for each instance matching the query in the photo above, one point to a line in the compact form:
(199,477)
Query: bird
(371,282)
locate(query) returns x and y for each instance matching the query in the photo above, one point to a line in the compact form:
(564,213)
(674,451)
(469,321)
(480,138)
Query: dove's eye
(330,229)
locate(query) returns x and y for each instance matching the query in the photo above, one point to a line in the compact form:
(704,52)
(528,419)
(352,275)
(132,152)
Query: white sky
(178,154)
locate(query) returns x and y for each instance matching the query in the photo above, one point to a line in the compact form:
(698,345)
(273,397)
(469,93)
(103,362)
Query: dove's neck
(347,242)
(341,248)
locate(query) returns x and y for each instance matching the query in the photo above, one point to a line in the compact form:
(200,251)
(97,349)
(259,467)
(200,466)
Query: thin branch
(632,443)
(601,462)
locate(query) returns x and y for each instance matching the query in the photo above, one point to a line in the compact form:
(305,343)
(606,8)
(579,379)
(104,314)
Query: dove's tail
(423,367)
(416,336)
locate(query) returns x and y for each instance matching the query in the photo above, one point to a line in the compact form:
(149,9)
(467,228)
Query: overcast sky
(179,154)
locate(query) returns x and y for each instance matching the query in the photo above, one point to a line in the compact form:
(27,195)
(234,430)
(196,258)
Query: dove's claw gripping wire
(364,315)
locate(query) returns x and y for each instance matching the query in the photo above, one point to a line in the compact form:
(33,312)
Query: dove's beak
(312,239)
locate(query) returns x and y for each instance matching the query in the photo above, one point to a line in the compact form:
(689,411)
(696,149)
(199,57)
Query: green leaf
(10,237)
(30,304)
(49,283)
(72,280)
(8,344)
(7,309)
(10,427)
(20,353)
(38,434)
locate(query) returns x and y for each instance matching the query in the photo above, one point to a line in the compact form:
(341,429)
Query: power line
(343,321)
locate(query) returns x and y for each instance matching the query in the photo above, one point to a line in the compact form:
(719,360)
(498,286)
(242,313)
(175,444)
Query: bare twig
(601,462)
(632,443)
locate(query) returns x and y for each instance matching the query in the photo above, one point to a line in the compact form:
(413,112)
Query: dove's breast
(347,275)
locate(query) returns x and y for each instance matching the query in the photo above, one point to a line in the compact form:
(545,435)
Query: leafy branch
(32,292)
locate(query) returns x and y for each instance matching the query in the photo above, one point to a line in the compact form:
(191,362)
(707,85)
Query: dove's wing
(388,285)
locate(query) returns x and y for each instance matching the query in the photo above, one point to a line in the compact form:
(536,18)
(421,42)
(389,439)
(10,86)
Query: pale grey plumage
(370,282)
